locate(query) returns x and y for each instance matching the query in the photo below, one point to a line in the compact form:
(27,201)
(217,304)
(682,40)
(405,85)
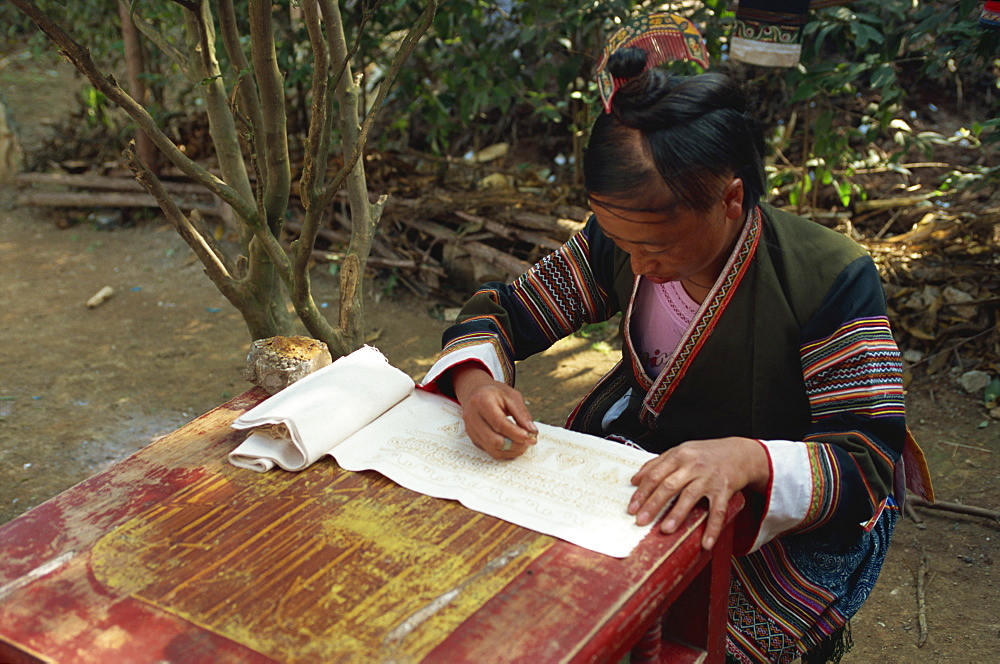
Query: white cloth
(483,353)
(789,491)
(319,411)
(569,485)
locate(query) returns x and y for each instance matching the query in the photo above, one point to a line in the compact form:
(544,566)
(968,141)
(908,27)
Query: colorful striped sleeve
(853,377)
(555,297)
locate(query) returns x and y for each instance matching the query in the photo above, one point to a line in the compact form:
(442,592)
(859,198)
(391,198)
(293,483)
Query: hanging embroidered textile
(769,32)
(989,17)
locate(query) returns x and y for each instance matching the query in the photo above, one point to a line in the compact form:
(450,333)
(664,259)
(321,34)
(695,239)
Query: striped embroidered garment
(792,347)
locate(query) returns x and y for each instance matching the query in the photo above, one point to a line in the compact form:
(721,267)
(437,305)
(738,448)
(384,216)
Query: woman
(757,357)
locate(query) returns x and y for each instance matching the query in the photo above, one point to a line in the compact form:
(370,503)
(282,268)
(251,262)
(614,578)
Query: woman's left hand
(714,469)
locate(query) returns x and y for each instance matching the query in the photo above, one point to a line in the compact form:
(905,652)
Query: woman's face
(669,242)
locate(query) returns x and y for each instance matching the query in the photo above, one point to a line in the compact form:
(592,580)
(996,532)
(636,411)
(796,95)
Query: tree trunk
(135,62)
(260,281)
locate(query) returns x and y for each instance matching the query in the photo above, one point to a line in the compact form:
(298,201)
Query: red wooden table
(173,555)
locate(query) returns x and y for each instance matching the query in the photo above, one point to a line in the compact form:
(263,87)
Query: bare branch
(221,124)
(277,187)
(145,26)
(216,265)
(406,48)
(80,57)
(315,154)
(958,508)
(190,5)
(318,138)
(245,86)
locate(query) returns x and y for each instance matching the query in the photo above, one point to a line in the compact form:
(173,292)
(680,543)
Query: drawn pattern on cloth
(569,485)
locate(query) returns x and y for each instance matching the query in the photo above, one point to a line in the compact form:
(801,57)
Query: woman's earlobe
(733,198)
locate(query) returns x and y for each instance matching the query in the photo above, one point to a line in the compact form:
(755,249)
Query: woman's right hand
(496,417)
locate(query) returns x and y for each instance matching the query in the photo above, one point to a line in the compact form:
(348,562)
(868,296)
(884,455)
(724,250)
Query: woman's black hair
(688,131)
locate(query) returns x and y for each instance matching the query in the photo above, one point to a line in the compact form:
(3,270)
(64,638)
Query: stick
(106,199)
(884,203)
(375,261)
(100,297)
(956,507)
(325,233)
(968,447)
(910,512)
(510,233)
(952,347)
(563,229)
(513,266)
(921,601)
(105,182)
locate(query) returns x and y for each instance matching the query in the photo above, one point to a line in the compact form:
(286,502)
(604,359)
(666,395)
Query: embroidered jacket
(792,346)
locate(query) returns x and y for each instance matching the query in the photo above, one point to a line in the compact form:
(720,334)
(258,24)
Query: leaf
(865,33)
(937,363)
(601,347)
(992,393)
(918,333)
(844,189)
(818,42)
(883,76)
(807,184)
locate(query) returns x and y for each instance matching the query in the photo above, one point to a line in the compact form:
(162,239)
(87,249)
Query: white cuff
(790,492)
(483,353)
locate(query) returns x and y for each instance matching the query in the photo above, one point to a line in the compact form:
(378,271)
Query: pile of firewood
(942,282)
(450,225)
(106,190)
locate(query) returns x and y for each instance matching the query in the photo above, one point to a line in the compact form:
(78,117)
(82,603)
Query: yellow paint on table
(323,565)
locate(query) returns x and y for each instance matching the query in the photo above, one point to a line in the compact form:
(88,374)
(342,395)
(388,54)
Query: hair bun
(627,62)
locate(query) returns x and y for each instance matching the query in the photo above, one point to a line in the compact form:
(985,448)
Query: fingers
(716,519)
(686,475)
(680,509)
(646,468)
(511,440)
(510,428)
(517,413)
(658,482)
(498,421)
(717,507)
(508,449)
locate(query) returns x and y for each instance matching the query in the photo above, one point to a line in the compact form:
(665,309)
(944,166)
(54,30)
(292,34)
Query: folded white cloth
(308,418)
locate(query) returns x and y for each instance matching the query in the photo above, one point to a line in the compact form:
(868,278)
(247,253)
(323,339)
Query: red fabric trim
(684,356)
(868,525)
(433,386)
(748,522)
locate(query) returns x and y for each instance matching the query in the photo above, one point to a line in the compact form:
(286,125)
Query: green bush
(506,70)
(486,75)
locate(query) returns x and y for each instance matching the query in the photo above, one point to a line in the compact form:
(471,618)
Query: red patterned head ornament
(665,37)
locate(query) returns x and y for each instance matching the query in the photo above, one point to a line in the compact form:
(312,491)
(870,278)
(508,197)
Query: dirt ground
(82,388)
